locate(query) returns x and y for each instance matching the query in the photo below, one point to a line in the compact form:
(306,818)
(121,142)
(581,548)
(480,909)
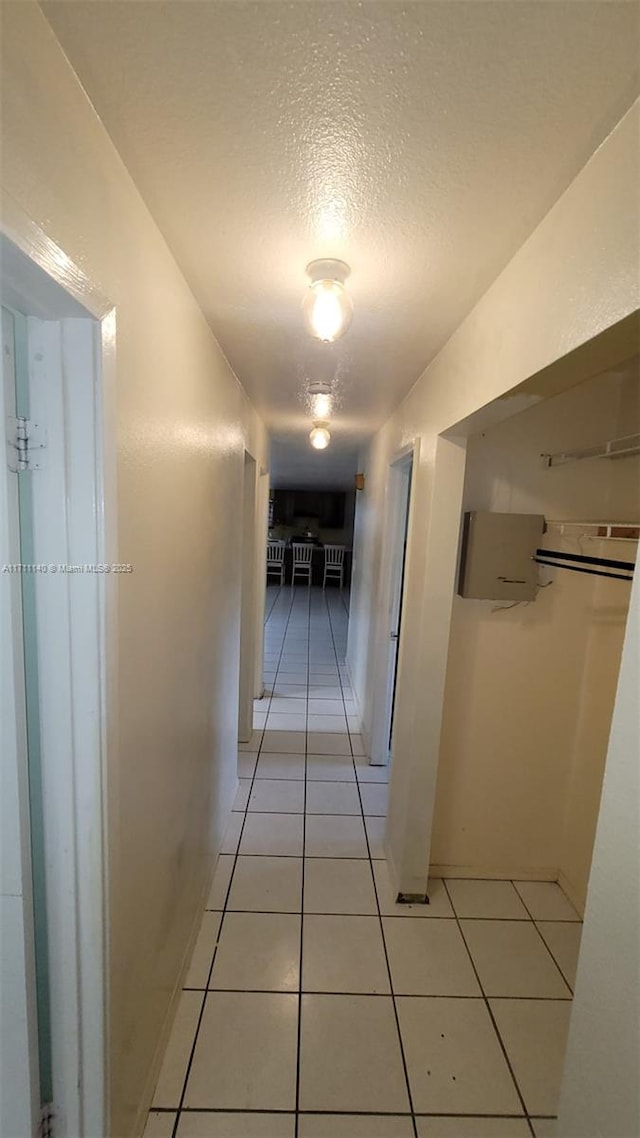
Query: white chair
(302,554)
(275,559)
(333,564)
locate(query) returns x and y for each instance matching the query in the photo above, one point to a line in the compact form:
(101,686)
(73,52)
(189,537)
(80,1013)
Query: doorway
(393,582)
(54,695)
(248,601)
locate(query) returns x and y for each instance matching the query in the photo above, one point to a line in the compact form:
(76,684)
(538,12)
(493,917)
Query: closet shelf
(601,531)
(623,447)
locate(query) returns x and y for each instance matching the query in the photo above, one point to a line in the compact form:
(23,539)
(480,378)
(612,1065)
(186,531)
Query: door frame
(72,386)
(248,599)
(20,1098)
(399,513)
(260,563)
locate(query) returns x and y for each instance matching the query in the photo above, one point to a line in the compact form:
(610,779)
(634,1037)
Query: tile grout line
(389,974)
(215,950)
(533,922)
(490,1012)
(273,605)
(381,925)
(263,729)
(304,843)
(278,665)
(347,1113)
(290,601)
(371,995)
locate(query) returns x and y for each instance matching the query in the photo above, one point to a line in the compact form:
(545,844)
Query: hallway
(316,1006)
(258,262)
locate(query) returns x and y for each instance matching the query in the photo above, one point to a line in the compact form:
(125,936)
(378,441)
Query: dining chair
(333,564)
(275,559)
(302,554)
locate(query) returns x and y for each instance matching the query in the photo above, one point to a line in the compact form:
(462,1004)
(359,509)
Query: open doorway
(393,582)
(248,601)
(530,686)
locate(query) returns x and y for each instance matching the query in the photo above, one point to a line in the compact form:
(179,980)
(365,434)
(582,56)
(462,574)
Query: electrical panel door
(497,559)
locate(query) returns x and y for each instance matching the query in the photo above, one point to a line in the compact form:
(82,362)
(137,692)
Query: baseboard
(165,1032)
(364,732)
(496,873)
(577,900)
(366,739)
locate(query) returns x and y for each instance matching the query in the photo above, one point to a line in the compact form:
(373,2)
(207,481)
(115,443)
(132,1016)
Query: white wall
(183,423)
(574,278)
(530,690)
(600,1095)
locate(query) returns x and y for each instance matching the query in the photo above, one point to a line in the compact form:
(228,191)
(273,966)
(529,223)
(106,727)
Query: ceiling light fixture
(320,400)
(319,437)
(327,307)
(321,406)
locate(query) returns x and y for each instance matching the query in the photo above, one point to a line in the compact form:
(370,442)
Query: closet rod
(582,569)
(584,559)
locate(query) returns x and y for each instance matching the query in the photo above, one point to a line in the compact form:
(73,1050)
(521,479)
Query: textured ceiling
(420,142)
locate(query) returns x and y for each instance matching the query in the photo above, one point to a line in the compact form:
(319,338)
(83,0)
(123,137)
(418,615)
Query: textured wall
(575,277)
(182,424)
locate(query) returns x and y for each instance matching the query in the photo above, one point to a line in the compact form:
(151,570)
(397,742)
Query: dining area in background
(310,536)
(307,562)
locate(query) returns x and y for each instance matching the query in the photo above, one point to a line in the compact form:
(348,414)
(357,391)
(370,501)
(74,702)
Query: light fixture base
(328,269)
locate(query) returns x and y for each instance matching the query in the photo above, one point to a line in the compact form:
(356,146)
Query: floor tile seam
(388,967)
(304,842)
(215,950)
(491,1015)
(286,1112)
(315,813)
(385,916)
(329,781)
(533,921)
(515,881)
(409,995)
(277,669)
(275,601)
(341,689)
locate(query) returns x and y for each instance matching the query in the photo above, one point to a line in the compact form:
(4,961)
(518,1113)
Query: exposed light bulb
(326,316)
(327,307)
(319,437)
(321,406)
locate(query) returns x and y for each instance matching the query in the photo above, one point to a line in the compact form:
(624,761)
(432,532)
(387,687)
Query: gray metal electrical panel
(496,562)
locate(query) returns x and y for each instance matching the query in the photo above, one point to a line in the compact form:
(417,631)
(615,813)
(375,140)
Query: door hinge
(45,1125)
(26,441)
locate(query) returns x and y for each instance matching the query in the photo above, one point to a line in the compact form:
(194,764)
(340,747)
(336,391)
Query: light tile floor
(317,1007)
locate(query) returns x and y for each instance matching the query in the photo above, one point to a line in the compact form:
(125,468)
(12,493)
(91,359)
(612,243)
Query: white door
(247,602)
(397,595)
(20,1082)
(52,1024)
(393,578)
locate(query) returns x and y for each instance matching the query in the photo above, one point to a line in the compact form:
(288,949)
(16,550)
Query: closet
(531,685)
